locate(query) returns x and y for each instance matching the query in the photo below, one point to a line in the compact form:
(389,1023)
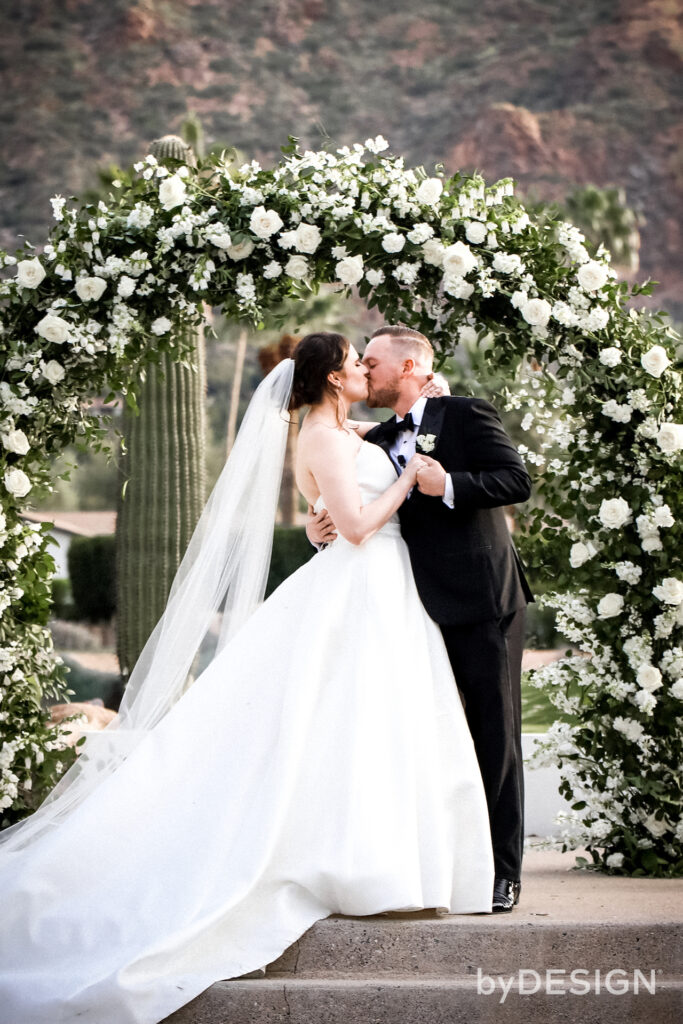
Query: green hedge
(92,571)
(291,548)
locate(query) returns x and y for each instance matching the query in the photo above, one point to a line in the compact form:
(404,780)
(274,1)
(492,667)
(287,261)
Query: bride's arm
(332,461)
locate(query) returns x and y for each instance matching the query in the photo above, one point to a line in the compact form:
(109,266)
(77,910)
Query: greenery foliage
(92,572)
(463,263)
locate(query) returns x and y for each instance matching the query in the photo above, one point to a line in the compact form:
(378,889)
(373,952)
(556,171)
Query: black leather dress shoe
(505,895)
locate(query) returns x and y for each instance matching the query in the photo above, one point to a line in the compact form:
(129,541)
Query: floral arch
(459,261)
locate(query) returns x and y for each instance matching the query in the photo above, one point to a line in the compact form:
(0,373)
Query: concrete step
(423,968)
(456,947)
(428,1001)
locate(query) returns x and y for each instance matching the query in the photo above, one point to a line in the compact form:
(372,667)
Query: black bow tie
(392,429)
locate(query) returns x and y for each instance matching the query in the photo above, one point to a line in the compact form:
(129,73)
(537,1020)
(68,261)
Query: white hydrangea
(610,356)
(628,727)
(406,273)
(272,270)
(393,242)
(508,263)
(162,325)
(616,412)
(628,572)
(374,277)
(457,286)
(433,252)
(218,235)
(420,233)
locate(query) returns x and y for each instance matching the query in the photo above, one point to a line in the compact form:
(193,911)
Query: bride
(320,764)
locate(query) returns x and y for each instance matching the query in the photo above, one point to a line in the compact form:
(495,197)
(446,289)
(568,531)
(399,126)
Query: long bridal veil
(226,563)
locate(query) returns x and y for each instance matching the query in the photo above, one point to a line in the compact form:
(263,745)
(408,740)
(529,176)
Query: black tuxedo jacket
(465,565)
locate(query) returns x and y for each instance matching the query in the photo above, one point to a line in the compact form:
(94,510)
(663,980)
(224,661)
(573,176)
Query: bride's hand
(436,387)
(413,468)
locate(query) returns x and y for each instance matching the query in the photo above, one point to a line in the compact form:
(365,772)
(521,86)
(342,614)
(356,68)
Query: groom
(466,568)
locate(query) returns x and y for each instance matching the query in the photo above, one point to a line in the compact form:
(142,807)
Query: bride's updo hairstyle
(316,356)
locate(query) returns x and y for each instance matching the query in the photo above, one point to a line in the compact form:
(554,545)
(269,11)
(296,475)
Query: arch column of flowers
(459,261)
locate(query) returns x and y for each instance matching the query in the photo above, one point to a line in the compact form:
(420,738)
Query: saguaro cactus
(164,471)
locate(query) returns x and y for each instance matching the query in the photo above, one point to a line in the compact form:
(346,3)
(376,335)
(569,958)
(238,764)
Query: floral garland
(460,262)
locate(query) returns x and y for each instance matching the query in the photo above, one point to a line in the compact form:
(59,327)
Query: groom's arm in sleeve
(498,475)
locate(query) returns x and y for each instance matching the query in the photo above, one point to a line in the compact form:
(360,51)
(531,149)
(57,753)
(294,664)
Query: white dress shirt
(403,445)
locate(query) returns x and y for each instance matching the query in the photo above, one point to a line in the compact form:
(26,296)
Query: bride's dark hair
(315,357)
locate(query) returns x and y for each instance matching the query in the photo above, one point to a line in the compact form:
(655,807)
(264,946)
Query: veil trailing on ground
(226,564)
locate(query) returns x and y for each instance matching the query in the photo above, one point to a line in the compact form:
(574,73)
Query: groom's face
(384,365)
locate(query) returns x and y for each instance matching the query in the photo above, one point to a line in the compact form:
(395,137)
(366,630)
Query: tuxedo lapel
(378,436)
(432,423)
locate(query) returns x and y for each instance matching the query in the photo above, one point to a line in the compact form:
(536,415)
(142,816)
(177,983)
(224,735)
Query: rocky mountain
(554,94)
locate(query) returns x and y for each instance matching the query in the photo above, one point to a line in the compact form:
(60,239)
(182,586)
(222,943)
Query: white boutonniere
(425,442)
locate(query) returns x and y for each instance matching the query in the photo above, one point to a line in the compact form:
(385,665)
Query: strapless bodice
(375,473)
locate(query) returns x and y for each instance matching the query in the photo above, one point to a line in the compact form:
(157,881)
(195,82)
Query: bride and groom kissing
(322,762)
(467,571)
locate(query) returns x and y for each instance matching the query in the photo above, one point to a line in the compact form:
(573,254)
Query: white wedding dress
(321,764)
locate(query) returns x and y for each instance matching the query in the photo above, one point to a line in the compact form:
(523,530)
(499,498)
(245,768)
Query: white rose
(615,860)
(162,325)
(536,312)
(429,191)
(172,192)
(670,437)
(457,286)
(272,270)
(374,277)
(610,605)
(432,252)
(670,591)
(89,288)
(241,250)
(649,677)
(393,242)
(656,826)
(16,441)
(614,513)
(610,356)
(592,276)
(651,543)
(30,273)
(655,360)
(307,237)
(53,328)
(581,553)
(475,231)
(126,287)
(663,517)
(54,372)
(264,223)
(458,260)
(350,270)
(297,267)
(17,483)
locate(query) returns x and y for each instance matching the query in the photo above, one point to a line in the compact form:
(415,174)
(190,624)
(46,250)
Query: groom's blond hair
(408,342)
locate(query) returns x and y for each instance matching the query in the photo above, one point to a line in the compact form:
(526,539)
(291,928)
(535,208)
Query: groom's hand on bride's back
(320,529)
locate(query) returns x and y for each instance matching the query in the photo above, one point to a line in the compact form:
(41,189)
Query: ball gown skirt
(321,764)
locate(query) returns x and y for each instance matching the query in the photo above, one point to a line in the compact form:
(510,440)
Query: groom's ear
(408,367)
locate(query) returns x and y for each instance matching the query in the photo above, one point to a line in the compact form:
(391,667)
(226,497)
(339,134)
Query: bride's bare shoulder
(318,440)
